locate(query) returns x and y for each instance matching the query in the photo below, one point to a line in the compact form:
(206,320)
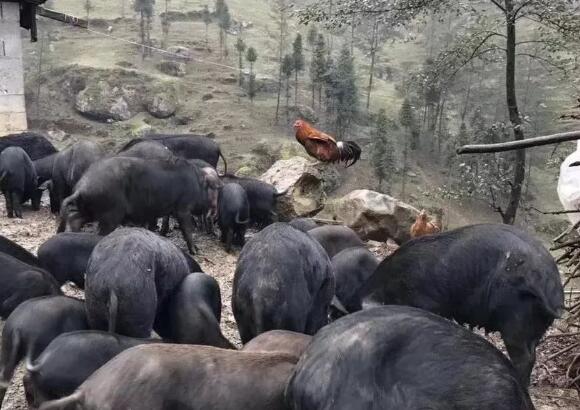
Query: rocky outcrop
(372,215)
(103,102)
(172,68)
(162,105)
(306,184)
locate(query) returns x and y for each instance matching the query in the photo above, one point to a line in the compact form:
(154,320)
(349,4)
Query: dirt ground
(548,380)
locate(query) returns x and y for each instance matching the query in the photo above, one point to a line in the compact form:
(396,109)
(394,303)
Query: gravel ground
(548,379)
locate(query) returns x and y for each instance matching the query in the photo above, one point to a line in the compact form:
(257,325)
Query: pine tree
(407,121)
(330,81)
(298,63)
(225,22)
(318,67)
(241,48)
(287,70)
(382,158)
(252,57)
(206,17)
(312,37)
(346,92)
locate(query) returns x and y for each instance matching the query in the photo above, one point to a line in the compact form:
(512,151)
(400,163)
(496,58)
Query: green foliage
(252,87)
(297,53)
(240,45)
(251,56)
(206,15)
(287,66)
(462,136)
(382,156)
(225,19)
(346,91)
(145,7)
(241,48)
(312,36)
(220,6)
(406,115)
(318,64)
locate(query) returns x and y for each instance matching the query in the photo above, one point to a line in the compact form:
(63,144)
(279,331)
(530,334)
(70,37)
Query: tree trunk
(440,132)
(296,89)
(374,45)
(509,216)
(287,98)
(207,36)
(313,93)
(221,43)
(405,158)
(353,22)
(468,95)
(373,58)
(280,54)
(241,67)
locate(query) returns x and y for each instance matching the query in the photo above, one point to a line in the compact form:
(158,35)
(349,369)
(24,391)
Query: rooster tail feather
(349,152)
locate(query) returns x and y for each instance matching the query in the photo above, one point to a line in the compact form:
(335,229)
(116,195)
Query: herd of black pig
(324,324)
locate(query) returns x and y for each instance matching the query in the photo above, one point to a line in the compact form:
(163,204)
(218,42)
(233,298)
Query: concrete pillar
(12,105)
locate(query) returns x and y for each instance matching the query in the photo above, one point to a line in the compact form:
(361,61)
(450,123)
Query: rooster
(325,148)
(423,226)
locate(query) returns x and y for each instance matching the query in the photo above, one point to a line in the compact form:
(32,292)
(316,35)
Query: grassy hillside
(64,52)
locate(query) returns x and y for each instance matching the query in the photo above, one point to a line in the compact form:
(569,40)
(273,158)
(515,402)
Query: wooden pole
(515,145)
(65,18)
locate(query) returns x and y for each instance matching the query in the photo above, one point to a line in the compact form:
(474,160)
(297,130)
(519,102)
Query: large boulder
(103,102)
(162,105)
(372,215)
(306,184)
(172,68)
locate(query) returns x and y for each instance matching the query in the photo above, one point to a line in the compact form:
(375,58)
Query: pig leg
(17,204)
(229,233)
(186,227)
(523,357)
(9,358)
(36,196)
(9,208)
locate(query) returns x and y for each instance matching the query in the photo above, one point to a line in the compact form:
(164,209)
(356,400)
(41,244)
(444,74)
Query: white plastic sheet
(569,185)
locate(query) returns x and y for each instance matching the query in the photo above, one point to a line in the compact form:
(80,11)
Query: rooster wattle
(325,148)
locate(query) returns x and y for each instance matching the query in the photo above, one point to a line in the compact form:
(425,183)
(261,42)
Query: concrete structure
(12,105)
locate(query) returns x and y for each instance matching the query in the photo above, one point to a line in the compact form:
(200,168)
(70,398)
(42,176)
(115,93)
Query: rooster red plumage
(325,148)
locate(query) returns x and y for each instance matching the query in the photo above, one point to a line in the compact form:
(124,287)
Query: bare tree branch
(499,6)
(542,59)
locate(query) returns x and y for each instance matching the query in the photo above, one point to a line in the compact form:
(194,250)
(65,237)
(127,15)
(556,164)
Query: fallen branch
(566,244)
(561,352)
(562,335)
(567,231)
(569,211)
(516,145)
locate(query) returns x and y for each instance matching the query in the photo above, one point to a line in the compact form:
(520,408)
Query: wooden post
(12,105)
